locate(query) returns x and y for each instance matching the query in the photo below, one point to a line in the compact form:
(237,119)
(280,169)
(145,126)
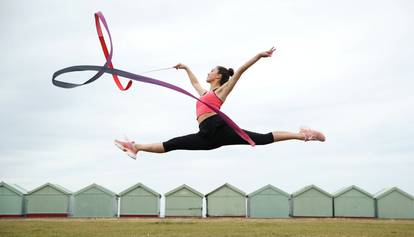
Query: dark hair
(225,74)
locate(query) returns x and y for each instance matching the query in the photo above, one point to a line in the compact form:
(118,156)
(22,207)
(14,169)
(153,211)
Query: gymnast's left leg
(226,136)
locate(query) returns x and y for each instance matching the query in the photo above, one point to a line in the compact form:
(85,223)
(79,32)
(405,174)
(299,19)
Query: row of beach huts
(52,200)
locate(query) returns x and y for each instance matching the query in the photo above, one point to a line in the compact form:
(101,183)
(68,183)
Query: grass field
(205,227)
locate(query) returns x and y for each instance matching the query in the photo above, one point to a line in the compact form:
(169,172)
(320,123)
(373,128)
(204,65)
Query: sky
(341,67)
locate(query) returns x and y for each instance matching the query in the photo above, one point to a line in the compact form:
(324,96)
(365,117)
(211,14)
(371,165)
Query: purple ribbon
(108,68)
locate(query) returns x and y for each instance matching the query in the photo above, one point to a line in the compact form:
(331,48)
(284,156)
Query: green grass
(205,227)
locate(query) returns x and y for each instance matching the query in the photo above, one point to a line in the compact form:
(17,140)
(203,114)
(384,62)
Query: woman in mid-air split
(214,131)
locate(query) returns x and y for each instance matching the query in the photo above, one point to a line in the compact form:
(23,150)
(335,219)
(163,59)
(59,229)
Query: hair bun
(231,71)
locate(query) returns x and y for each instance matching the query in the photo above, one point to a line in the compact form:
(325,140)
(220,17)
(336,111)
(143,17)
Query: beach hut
(48,200)
(95,201)
(394,203)
(11,200)
(353,202)
(226,201)
(268,202)
(183,201)
(311,201)
(139,201)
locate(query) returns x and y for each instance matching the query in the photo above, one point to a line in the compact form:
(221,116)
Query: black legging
(214,133)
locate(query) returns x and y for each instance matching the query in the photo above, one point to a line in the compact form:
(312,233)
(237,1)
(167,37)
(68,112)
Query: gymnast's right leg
(188,142)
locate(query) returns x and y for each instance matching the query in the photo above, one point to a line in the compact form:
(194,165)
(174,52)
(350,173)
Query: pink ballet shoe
(312,135)
(128,147)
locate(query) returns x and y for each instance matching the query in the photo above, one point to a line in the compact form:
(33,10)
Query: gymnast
(214,132)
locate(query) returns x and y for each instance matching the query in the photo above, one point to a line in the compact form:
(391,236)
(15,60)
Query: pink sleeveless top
(210,98)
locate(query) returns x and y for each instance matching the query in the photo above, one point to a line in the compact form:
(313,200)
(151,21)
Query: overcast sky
(342,67)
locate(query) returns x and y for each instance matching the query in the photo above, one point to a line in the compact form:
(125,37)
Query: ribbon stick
(109,69)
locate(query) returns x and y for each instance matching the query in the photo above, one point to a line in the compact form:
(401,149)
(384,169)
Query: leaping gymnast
(214,131)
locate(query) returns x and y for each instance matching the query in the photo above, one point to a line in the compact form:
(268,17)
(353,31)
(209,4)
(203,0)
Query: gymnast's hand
(180,66)
(267,53)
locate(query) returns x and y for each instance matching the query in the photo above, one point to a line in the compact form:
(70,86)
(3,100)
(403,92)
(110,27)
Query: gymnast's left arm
(227,87)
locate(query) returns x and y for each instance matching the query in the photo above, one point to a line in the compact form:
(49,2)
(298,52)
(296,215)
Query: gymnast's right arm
(200,90)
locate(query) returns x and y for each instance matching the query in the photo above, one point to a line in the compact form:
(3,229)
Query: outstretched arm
(200,90)
(227,87)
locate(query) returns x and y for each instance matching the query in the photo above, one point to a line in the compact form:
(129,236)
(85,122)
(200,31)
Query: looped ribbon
(98,16)
(109,69)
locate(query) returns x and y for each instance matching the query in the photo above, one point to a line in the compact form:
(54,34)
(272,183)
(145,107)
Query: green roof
(346,189)
(14,188)
(269,186)
(387,191)
(301,191)
(139,185)
(54,186)
(186,187)
(228,186)
(107,191)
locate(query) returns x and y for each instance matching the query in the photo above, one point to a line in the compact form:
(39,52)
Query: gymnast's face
(213,75)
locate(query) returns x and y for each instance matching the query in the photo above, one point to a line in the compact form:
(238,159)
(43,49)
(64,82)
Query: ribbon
(109,69)
(98,16)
